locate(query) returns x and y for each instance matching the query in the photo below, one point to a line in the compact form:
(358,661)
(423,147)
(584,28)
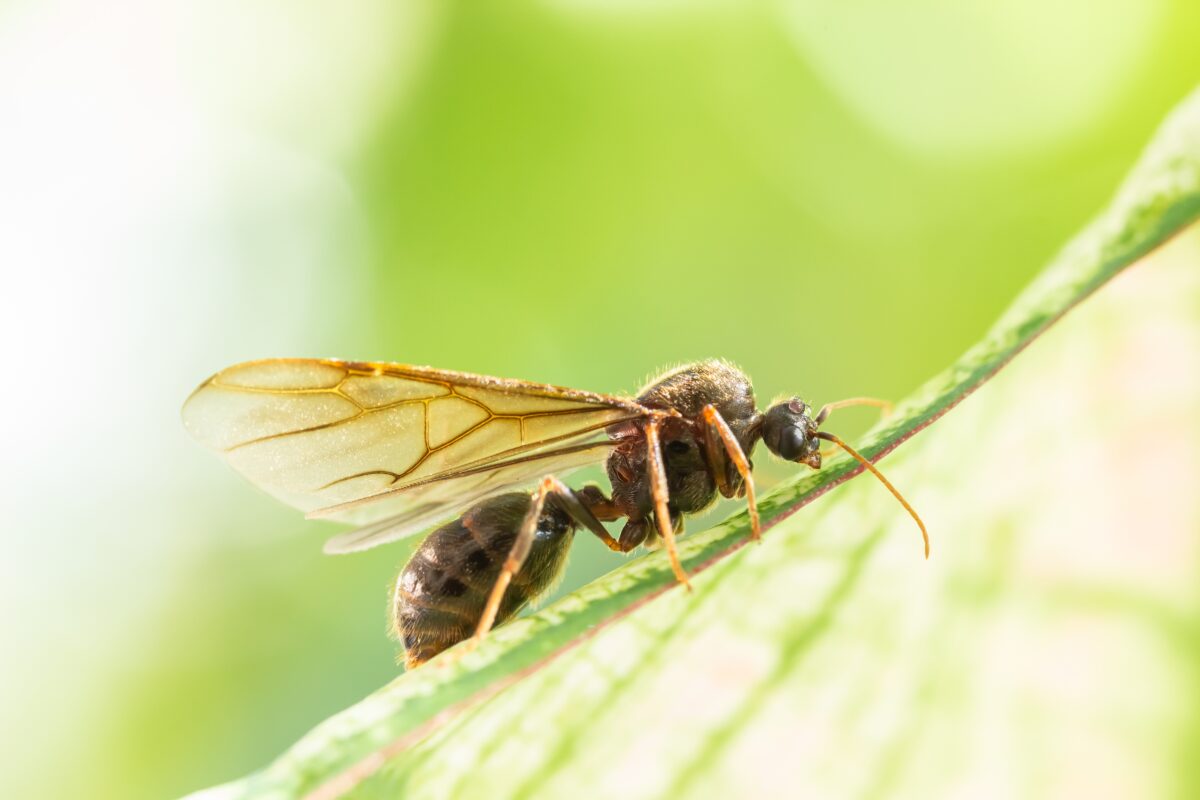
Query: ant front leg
(719,436)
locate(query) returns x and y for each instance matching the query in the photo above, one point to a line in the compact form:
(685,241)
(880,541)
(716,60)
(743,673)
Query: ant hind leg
(577,505)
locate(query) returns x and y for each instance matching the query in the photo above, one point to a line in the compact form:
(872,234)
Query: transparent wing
(365,442)
(415,508)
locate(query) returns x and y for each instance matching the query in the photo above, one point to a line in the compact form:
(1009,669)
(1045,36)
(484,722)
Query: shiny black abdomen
(440,594)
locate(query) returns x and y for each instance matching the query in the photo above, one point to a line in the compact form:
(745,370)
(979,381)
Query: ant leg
(718,428)
(586,507)
(577,506)
(659,491)
(603,509)
(718,463)
(516,557)
(829,408)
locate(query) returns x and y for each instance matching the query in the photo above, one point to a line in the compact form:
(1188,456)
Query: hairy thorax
(686,390)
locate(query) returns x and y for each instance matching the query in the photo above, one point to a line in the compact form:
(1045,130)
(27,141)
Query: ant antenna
(885,405)
(829,437)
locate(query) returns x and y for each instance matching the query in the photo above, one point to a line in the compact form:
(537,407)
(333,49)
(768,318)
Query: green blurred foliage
(702,694)
(573,192)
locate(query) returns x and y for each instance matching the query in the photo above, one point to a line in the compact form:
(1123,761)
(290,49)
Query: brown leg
(516,557)
(601,507)
(576,506)
(588,507)
(718,464)
(659,491)
(716,424)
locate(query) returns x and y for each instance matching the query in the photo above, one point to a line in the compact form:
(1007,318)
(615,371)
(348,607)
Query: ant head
(789,431)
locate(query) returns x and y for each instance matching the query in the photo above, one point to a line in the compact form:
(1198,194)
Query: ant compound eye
(678,447)
(791,444)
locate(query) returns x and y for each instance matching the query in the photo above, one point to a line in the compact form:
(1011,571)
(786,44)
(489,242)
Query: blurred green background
(840,198)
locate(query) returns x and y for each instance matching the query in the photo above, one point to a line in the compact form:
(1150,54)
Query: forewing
(323,433)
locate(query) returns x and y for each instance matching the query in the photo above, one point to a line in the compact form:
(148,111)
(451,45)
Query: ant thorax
(688,464)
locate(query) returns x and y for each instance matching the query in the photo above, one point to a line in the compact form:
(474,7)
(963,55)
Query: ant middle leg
(720,438)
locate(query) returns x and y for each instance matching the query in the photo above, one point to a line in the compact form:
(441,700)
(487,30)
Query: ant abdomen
(440,594)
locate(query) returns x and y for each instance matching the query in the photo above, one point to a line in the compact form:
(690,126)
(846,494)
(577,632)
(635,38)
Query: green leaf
(832,640)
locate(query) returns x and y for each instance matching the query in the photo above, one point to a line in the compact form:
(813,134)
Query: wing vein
(318,424)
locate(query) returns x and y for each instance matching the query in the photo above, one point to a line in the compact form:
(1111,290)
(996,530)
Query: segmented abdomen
(440,594)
